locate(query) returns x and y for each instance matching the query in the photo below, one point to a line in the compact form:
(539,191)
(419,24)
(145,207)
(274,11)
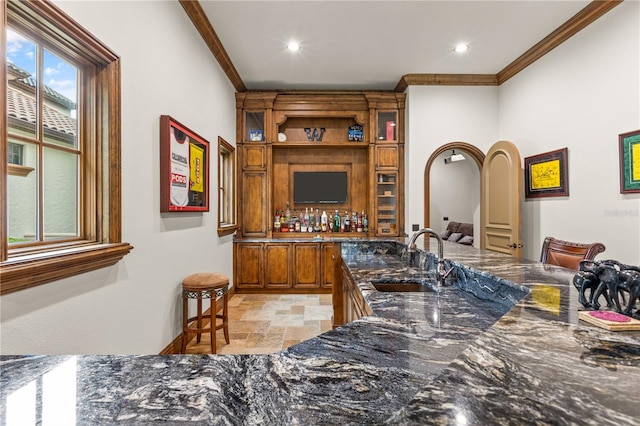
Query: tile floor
(266,323)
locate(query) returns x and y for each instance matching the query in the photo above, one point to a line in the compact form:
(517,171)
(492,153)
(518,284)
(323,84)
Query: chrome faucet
(440,273)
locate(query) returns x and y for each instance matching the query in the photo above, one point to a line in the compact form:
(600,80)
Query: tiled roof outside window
(23,107)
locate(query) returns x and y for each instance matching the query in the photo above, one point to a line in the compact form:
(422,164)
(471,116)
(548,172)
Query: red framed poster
(184,168)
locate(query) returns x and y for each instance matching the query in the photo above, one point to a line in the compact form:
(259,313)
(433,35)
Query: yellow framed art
(545,175)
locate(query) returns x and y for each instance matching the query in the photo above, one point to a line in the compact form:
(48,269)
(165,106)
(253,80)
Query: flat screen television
(320,187)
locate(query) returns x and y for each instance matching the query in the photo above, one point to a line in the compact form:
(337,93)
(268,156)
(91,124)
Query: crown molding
(579,21)
(204,27)
(445,80)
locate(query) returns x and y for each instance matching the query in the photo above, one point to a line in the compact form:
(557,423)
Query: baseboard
(176,344)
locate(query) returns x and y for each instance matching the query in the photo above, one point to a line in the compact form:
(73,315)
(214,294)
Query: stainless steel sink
(402,287)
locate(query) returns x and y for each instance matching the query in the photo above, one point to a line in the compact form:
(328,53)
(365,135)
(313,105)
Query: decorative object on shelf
(545,175)
(282,137)
(184,168)
(391,130)
(629,162)
(255,135)
(617,282)
(315,135)
(356,133)
(611,321)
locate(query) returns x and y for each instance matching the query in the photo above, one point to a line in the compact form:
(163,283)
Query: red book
(391,127)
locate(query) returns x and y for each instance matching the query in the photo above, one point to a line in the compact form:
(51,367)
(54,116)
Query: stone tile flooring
(267,323)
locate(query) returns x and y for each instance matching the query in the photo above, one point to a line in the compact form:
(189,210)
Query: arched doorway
(464,147)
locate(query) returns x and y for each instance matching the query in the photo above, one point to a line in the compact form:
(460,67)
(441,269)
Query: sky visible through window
(58,74)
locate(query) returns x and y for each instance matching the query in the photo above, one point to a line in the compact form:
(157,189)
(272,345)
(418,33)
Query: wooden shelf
(308,144)
(326,236)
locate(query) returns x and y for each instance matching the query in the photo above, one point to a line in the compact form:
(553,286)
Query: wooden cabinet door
(306,265)
(277,273)
(326,265)
(249,265)
(254,204)
(386,157)
(254,157)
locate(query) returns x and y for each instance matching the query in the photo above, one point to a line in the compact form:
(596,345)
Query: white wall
(437,115)
(134,306)
(581,95)
(454,192)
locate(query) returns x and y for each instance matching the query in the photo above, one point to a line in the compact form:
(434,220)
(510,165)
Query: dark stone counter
(499,344)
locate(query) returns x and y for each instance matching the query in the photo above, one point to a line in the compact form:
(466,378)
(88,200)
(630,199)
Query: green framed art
(629,162)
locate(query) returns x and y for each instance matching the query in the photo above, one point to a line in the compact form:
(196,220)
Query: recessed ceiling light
(461,48)
(293,46)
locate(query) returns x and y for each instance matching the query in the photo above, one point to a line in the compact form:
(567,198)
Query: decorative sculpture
(617,282)
(315,135)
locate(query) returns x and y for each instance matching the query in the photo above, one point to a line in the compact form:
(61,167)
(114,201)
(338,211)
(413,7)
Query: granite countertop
(500,344)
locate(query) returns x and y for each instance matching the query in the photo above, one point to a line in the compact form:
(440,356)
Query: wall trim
(204,27)
(579,21)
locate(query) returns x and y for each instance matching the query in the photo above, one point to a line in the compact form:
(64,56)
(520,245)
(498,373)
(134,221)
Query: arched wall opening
(470,151)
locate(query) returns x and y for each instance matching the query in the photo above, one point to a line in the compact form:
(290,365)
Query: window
(15,152)
(62,100)
(226,188)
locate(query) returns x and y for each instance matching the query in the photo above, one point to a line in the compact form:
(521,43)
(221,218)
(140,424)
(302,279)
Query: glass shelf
(386,191)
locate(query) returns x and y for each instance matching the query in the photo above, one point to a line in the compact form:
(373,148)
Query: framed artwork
(184,168)
(255,135)
(629,162)
(545,175)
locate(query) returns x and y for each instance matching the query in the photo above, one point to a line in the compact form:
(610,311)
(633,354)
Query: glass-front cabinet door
(254,126)
(386,202)
(387,126)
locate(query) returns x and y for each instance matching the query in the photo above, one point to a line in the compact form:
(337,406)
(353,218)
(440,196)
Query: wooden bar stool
(204,285)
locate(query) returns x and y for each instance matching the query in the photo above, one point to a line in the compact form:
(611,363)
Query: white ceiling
(372,44)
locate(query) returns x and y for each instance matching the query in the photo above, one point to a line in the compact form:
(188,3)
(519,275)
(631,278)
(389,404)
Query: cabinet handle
(514,245)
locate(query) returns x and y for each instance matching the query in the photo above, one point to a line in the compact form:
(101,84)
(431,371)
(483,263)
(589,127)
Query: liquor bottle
(336,222)
(354,220)
(323,221)
(347,222)
(316,226)
(305,220)
(359,226)
(296,222)
(284,223)
(365,223)
(276,223)
(287,213)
